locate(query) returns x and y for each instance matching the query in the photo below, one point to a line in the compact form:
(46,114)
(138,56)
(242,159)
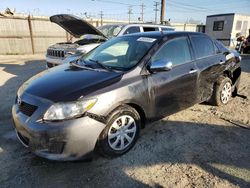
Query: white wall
(184,26)
(243,29)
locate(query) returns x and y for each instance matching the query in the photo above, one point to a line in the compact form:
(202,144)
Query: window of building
(218,26)
(244,28)
(203,46)
(238,25)
(176,50)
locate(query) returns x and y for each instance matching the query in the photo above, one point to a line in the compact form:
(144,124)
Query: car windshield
(120,53)
(110,31)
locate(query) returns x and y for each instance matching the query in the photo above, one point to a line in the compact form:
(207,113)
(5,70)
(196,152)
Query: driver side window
(176,51)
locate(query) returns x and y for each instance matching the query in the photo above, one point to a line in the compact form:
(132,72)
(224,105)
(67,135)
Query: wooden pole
(31,35)
(67,36)
(163,7)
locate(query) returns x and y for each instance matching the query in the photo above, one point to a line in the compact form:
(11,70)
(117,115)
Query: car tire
(120,134)
(222,92)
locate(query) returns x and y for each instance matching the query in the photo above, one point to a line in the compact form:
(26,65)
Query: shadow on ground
(221,151)
(21,73)
(245,64)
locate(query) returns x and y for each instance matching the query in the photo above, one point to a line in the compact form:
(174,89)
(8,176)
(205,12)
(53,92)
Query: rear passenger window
(132,30)
(221,47)
(148,29)
(217,49)
(203,46)
(176,50)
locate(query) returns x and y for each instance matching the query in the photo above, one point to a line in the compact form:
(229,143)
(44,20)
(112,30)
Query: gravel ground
(203,146)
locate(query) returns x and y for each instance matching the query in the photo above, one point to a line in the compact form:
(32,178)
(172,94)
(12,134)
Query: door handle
(192,71)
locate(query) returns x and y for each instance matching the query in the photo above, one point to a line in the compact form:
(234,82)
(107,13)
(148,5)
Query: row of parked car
(101,100)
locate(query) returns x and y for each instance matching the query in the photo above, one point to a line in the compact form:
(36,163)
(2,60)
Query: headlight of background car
(68,110)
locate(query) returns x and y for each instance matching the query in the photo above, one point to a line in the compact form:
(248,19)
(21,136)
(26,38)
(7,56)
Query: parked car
(102,100)
(91,37)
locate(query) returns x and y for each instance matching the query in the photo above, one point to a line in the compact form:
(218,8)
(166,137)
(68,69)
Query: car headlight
(68,110)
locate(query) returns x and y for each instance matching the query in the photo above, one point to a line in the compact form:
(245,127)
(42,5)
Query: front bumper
(53,61)
(65,140)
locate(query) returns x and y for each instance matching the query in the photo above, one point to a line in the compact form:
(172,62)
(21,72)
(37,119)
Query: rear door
(210,62)
(173,90)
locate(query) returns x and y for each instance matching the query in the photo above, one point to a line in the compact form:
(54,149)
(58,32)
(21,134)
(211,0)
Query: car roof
(147,24)
(165,33)
(139,24)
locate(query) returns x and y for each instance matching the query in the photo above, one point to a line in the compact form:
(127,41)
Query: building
(183,26)
(224,27)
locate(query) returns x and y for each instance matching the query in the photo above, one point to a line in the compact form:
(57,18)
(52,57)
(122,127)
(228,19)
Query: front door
(173,90)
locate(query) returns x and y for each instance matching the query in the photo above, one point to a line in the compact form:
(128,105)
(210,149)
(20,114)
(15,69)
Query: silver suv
(90,37)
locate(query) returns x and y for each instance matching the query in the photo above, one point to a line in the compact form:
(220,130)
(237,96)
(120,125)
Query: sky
(176,10)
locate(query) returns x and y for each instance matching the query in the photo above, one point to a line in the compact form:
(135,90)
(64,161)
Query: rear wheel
(121,132)
(222,91)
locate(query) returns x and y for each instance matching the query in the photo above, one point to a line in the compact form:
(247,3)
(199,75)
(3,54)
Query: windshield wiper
(75,64)
(101,65)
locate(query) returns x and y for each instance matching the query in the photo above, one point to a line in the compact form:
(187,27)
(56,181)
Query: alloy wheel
(226,92)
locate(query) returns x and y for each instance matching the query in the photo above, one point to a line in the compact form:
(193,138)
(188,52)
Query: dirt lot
(202,146)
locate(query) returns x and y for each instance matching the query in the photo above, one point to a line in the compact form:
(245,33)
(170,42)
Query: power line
(156,4)
(188,8)
(189,5)
(115,2)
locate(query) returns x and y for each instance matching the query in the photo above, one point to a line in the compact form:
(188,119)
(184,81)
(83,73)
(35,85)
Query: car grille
(55,53)
(27,109)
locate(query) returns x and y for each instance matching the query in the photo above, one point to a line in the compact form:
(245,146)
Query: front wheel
(121,132)
(222,91)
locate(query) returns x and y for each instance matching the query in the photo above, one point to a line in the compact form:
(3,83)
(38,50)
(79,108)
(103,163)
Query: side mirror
(160,65)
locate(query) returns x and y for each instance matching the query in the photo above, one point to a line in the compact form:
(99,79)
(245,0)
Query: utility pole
(142,12)
(129,13)
(163,9)
(156,10)
(101,15)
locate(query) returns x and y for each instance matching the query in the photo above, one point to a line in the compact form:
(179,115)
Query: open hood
(75,26)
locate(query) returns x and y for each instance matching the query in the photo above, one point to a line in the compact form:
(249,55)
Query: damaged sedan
(101,101)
